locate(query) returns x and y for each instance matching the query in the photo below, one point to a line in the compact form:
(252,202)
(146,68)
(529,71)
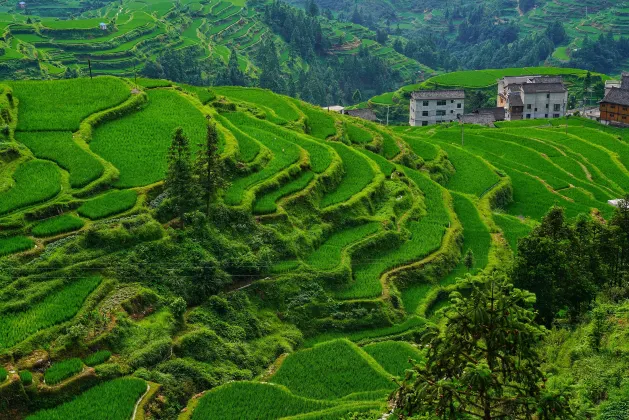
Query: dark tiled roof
(438,94)
(625,80)
(498,112)
(617,96)
(515,99)
(481,119)
(547,79)
(543,87)
(365,114)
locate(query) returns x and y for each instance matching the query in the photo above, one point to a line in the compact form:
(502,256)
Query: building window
(545,115)
(613,107)
(452,111)
(458,116)
(548,96)
(528,116)
(528,106)
(424,113)
(425,103)
(441,103)
(441,112)
(624,108)
(556,107)
(535,109)
(555,115)
(452,101)
(424,123)
(612,115)
(458,106)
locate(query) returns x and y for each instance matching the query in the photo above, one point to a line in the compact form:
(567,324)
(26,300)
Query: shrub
(151,354)
(26,377)
(59,224)
(97,358)
(60,371)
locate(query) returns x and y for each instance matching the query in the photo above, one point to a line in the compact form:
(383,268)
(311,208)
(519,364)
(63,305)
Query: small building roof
(480,118)
(365,114)
(625,80)
(515,99)
(546,79)
(617,96)
(335,108)
(497,112)
(618,202)
(438,94)
(102,24)
(544,88)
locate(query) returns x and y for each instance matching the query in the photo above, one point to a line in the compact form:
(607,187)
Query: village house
(531,97)
(103,26)
(614,107)
(430,107)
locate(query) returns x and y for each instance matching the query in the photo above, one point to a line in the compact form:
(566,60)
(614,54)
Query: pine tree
(179,178)
(235,75)
(485,363)
(208,167)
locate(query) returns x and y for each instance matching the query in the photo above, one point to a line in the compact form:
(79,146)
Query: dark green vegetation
(286,262)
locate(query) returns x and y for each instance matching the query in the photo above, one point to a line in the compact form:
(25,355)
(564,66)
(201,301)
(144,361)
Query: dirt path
(137,404)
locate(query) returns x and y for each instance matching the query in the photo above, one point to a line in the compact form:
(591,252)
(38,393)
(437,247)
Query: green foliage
(26,377)
(60,371)
(108,204)
(265,204)
(252,400)
(183,192)
(3,374)
(278,109)
(97,358)
(57,307)
(320,124)
(386,167)
(35,181)
(114,400)
(358,174)
(357,134)
(472,176)
(512,228)
(331,370)
(137,144)
(57,225)
(394,356)
(62,104)
(328,255)
(59,147)
(15,244)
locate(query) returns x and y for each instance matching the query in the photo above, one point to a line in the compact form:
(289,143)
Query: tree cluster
(604,55)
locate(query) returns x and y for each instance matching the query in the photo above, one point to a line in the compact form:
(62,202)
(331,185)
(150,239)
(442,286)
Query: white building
(102,26)
(531,97)
(430,107)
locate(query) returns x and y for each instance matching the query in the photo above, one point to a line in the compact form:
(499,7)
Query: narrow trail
(137,404)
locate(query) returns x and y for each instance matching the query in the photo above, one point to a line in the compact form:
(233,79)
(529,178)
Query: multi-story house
(531,97)
(430,107)
(615,106)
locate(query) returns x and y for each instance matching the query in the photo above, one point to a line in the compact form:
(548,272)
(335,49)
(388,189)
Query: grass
(57,307)
(473,175)
(15,244)
(137,144)
(485,78)
(424,149)
(247,146)
(265,204)
(358,174)
(26,377)
(267,100)
(61,105)
(97,358)
(59,147)
(321,124)
(385,166)
(328,255)
(331,370)
(3,375)
(113,400)
(253,400)
(512,229)
(394,356)
(358,135)
(61,371)
(35,181)
(389,145)
(57,225)
(108,204)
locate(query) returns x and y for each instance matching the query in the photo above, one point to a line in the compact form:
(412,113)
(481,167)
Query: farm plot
(328,255)
(252,401)
(357,134)
(605,140)
(61,105)
(332,370)
(137,144)
(512,228)
(15,244)
(248,147)
(424,149)
(358,174)
(35,181)
(386,167)
(473,175)
(57,225)
(57,307)
(266,203)
(114,400)
(61,371)
(269,101)
(320,124)
(59,147)
(108,204)
(393,356)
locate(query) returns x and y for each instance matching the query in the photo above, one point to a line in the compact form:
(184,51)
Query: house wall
(613,113)
(544,105)
(453,109)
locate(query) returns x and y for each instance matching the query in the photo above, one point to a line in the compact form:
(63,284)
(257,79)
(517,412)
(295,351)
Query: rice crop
(331,370)
(358,174)
(56,225)
(268,100)
(415,294)
(35,181)
(321,124)
(389,145)
(59,147)
(113,400)
(358,135)
(3,374)
(265,204)
(63,370)
(97,358)
(386,167)
(605,140)
(15,244)
(512,229)
(473,175)
(26,377)
(62,104)
(57,307)
(424,149)
(137,144)
(252,401)
(284,155)
(369,409)
(247,146)
(394,356)
(108,204)
(328,255)
(484,78)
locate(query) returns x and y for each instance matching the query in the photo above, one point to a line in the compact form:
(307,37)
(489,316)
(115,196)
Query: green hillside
(301,291)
